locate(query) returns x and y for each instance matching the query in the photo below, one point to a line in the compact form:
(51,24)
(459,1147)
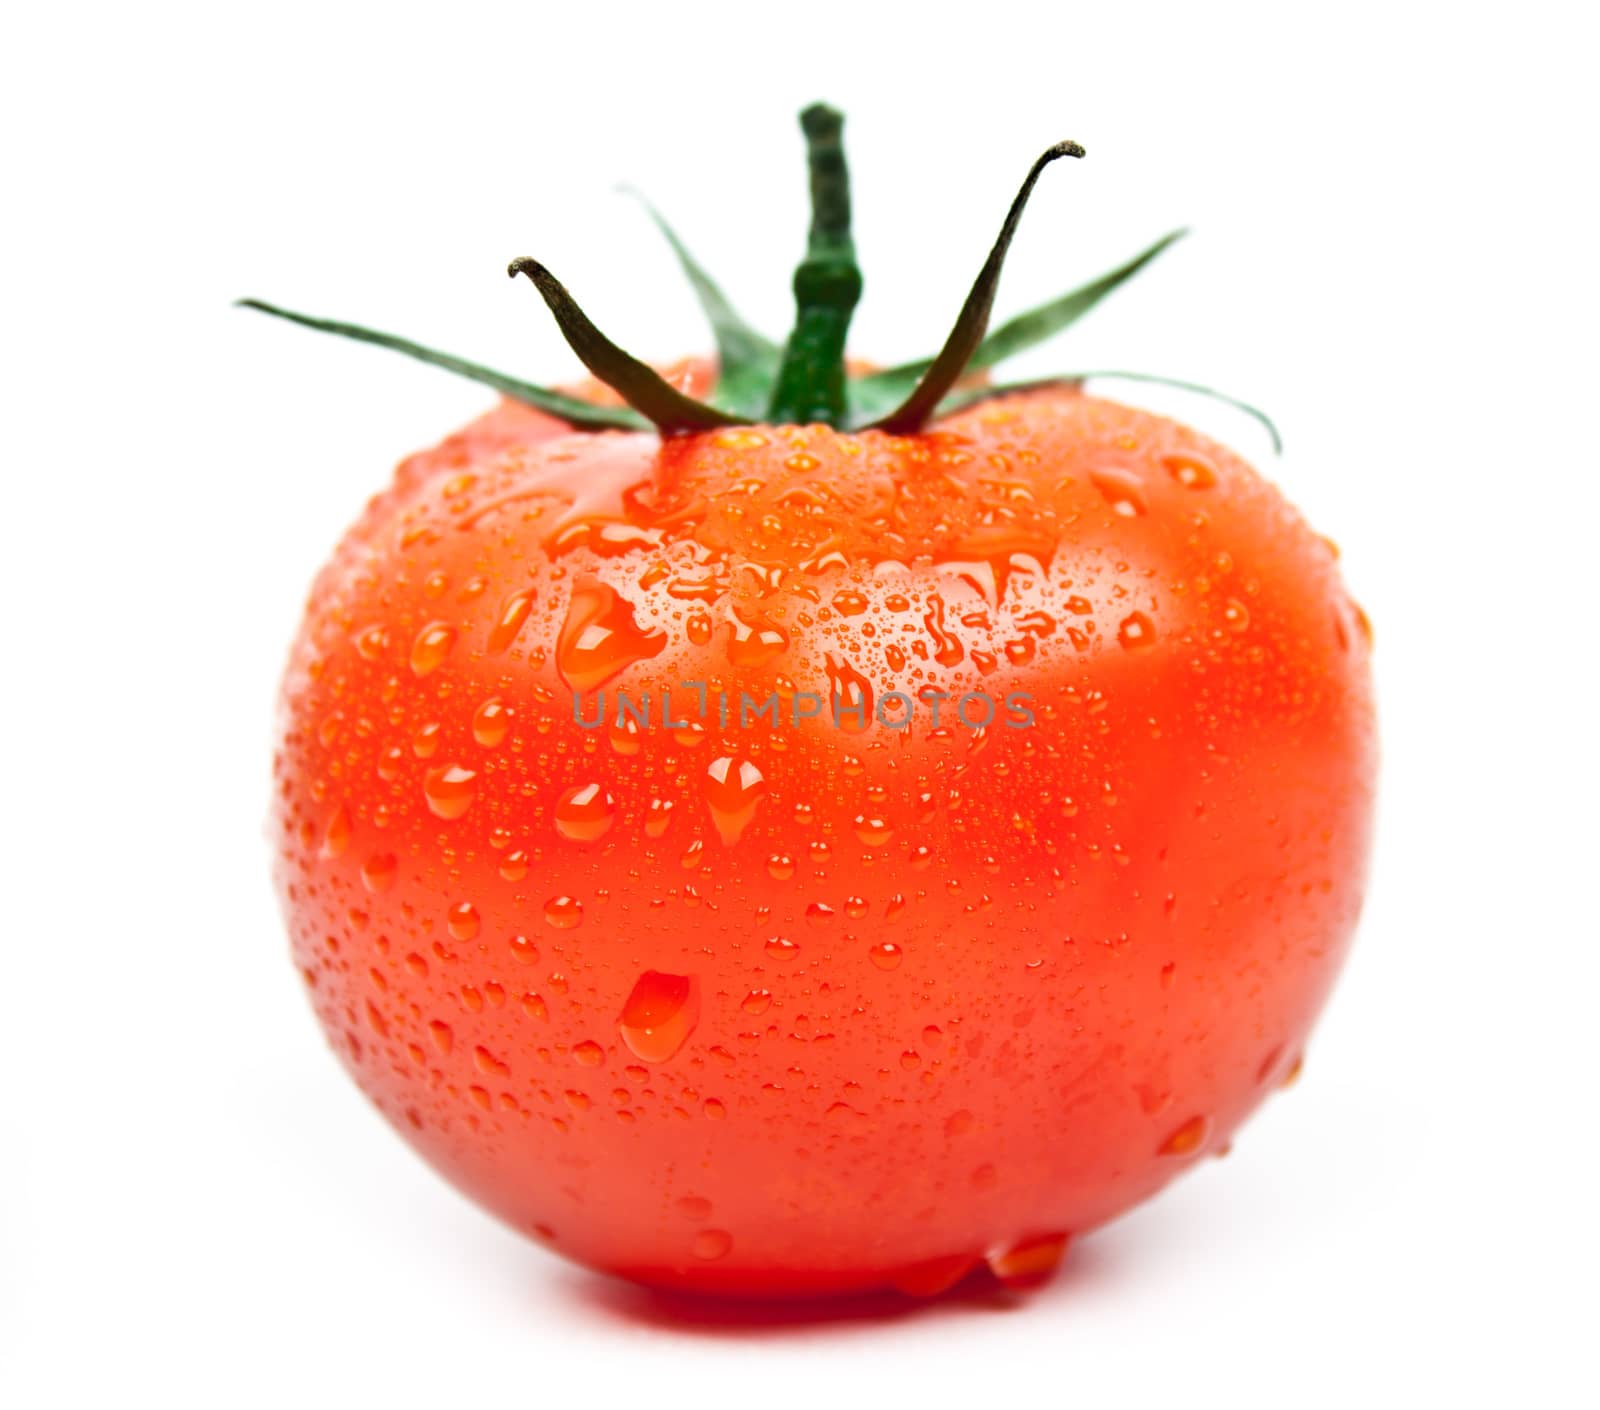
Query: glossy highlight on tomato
(808,1005)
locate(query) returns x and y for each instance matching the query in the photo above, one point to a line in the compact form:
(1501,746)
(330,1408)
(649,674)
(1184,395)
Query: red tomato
(805,1002)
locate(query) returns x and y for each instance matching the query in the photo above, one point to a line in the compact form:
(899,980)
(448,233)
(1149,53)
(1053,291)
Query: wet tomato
(775,859)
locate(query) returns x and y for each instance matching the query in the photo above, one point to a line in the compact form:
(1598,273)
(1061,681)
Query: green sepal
(747,361)
(637,383)
(1037,325)
(950,363)
(960,401)
(875,394)
(568,408)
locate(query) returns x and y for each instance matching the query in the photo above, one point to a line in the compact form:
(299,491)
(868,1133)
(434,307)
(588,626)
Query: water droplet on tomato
(659,1015)
(588,1053)
(657,817)
(1193,472)
(450,790)
(947,648)
(585,813)
(463,921)
(1121,489)
(873,831)
(755,639)
(698,628)
(734,789)
(513,613)
(491,722)
(936,1275)
(378,872)
(600,637)
(563,913)
(625,734)
(514,866)
(850,696)
(1030,1262)
(488,1064)
(336,836)
(886,955)
(710,1244)
(779,948)
(372,643)
(780,866)
(1188,1138)
(433,643)
(1363,623)
(1020,651)
(1136,632)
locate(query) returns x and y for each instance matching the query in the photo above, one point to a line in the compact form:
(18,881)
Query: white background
(1394,251)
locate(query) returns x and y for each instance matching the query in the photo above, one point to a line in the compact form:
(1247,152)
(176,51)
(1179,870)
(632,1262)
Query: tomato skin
(805,1010)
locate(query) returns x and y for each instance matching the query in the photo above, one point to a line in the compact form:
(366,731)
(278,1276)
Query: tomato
(783,859)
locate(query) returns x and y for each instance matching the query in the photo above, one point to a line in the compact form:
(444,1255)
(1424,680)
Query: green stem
(827,285)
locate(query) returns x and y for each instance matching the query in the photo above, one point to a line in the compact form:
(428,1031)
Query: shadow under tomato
(980,1293)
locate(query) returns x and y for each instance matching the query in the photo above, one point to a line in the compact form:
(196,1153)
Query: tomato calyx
(806,380)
